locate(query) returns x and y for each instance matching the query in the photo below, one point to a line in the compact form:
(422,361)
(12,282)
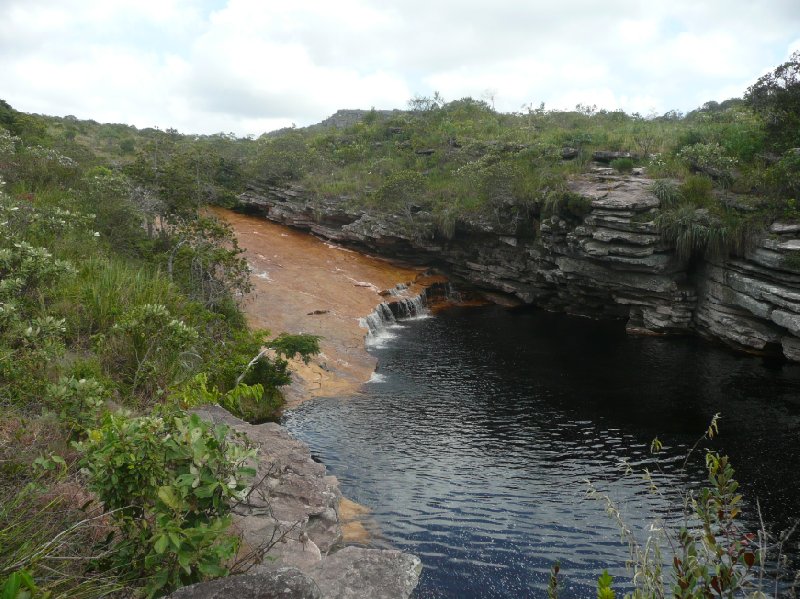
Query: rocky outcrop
(291,533)
(286,583)
(605,260)
(753,302)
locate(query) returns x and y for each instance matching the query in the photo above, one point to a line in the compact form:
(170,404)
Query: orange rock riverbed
(302,284)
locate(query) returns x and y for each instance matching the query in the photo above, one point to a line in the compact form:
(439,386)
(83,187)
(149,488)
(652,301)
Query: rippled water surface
(474,446)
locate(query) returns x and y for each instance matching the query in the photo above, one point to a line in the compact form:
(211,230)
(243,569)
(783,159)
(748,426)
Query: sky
(251,66)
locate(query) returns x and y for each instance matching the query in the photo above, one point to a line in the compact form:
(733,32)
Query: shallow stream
(474,445)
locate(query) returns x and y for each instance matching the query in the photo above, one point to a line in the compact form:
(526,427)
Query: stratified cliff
(607,261)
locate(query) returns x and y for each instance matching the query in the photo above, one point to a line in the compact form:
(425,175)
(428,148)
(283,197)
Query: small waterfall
(398,289)
(385,316)
(381,318)
(408,307)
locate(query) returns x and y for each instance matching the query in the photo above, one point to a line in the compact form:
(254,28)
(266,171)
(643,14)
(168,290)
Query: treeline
(440,165)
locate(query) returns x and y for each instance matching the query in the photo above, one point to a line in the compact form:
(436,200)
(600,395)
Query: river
(474,444)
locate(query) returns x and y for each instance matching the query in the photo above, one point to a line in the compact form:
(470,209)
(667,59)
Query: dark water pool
(475,448)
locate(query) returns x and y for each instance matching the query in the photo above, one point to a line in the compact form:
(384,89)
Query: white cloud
(248,65)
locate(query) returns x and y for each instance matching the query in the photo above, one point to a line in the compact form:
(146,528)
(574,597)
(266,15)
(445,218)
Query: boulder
(286,583)
(358,573)
(607,156)
(568,153)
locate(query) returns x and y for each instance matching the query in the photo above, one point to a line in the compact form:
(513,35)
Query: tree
(776,96)
(205,259)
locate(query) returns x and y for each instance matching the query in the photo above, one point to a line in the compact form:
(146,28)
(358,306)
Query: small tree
(776,96)
(205,259)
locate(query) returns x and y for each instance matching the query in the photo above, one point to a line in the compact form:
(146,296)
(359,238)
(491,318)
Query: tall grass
(107,287)
(50,539)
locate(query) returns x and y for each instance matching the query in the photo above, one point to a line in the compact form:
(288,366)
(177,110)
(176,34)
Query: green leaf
(604,590)
(161,543)
(211,569)
(12,586)
(175,540)
(206,491)
(20,585)
(169,497)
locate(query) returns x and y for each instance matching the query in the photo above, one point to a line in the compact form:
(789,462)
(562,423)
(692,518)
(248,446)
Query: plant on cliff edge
(167,483)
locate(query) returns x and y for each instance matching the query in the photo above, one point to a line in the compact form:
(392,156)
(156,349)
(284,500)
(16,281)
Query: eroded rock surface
(608,263)
(292,536)
(283,583)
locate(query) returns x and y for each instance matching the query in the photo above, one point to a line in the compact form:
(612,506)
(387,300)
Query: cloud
(247,65)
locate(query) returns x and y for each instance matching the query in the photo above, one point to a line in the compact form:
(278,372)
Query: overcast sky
(250,66)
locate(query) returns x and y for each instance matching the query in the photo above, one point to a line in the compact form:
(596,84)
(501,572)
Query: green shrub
(400,191)
(667,193)
(571,206)
(711,555)
(622,165)
(710,159)
(46,544)
(79,402)
(107,287)
(776,98)
(252,403)
(149,349)
(784,176)
(167,482)
(698,231)
(288,345)
(697,190)
(205,260)
(29,340)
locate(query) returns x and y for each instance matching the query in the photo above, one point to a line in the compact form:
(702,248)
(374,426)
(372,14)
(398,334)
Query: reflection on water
(474,444)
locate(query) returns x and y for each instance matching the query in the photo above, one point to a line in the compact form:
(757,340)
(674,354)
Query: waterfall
(385,316)
(402,305)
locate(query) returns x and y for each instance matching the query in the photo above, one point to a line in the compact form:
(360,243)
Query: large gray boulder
(283,583)
(359,573)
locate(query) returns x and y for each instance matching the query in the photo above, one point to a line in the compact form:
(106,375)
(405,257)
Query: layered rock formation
(292,535)
(609,262)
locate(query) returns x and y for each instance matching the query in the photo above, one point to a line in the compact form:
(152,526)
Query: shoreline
(304,285)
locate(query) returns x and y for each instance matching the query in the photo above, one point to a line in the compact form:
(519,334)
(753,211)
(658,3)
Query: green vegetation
(443,164)
(711,554)
(118,311)
(622,165)
(118,302)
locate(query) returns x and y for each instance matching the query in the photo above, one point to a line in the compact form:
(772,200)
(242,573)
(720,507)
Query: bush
(709,159)
(711,555)
(205,260)
(776,97)
(696,190)
(567,205)
(698,231)
(667,193)
(252,403)
(622,165)
(48,539)
(784,176)
(79,402)
(399,191)
(167,482)
(149,349)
